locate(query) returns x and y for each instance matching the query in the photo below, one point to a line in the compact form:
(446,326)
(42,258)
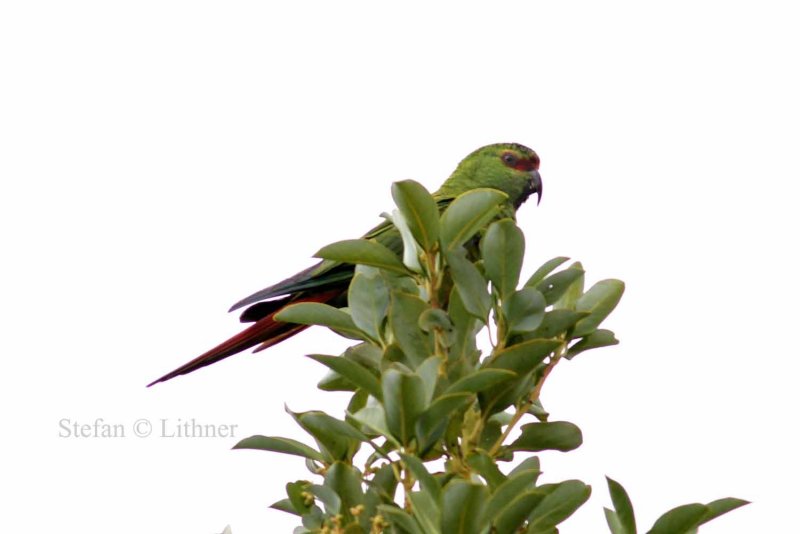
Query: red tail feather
(265,331)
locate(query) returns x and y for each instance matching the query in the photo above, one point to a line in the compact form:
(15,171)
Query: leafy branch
(437,413)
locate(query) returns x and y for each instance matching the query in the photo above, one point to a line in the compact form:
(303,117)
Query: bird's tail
(266,332)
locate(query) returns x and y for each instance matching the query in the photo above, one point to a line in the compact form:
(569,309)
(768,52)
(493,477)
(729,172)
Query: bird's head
(509,167)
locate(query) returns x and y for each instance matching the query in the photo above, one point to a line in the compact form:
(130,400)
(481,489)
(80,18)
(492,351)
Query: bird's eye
(510,159)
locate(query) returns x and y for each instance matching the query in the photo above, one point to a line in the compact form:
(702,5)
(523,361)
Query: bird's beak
(536,185)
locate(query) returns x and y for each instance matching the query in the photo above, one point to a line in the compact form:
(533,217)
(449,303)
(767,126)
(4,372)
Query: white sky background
(161,160)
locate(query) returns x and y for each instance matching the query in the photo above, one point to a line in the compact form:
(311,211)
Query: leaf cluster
(433,413)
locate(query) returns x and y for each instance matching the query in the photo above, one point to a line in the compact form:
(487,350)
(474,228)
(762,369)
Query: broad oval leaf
(356,373)
(368,300)
(470,284)
(524,311)
(502,250)
(316,313)
(432,422)
(403,401)
(598,338)
(363,252)
(400,519)
(419,210)
(345,481)
(517,508)
(556,322)
(426,512)
(523,357)
(338,438)
(558,435)
(374,419)
(278,444)
(504,493)
(404,313)
(486,467)
(427,483)
(600,300)
(328,497)
(558,505)
(555,285)
(462,507)
(568,299)
(295,491)
(480,380)
(467,214)
(546,268)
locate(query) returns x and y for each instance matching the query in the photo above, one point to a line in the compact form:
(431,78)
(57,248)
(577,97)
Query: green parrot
(508,167)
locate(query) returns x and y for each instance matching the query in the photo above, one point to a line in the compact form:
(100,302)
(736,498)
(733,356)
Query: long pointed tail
(266,331)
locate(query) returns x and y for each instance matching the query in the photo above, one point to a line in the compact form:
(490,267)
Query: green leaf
(404,313)
(680,520)
(470,284)
(464,349)
(480,380)
(558,435)
(529,464)
(316,313)
(383,485)
(559,504)
(427,483)
(436,320)
(403,400)
(363,252)
(419,210)
(356,373)
(338,438)
(722,506)
(573,293)
(432,422)
(284,505)
(312,521)
(328,497)
(523,357)
(487,468)
(374,418)
(514,485)
(544,270)
(524,311)
(277,444)
(428,371)
(599,301)
(598,338)
(623,508)
(515,510)
(365,354)
(335,382)
(345,481)
(467,214)
(368,300)
(296,492)
(614,524)
(401,520)
(462,507)
(556,322)
(502,249)
(426,512)
(557,284)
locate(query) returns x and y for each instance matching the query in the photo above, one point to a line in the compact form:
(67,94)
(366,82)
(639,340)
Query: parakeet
(508,167)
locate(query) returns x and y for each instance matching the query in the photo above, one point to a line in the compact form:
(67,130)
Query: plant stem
(533,397)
